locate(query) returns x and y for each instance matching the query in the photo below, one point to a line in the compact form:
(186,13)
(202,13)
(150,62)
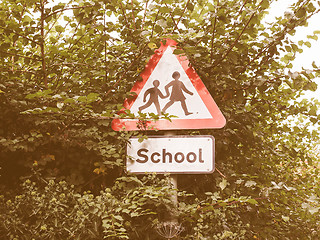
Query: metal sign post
(172,228)
(174,185)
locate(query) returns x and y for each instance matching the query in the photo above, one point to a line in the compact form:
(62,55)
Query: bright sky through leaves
(305,59)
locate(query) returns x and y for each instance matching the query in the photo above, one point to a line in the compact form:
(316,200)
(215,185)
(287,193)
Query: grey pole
(174,184)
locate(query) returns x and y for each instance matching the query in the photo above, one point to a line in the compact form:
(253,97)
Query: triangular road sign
(170,85)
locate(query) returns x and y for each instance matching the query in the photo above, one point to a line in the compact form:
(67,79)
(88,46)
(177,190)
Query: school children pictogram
(176,95)
(171,86)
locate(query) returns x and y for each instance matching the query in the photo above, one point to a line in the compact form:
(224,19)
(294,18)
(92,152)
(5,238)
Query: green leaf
(285,218)
(60,105)
(301,13)
(265,4)
(69,100)
(223,184)
(250,183)
(27,19)
(288,48)
(312,86)
(152,45)
(91,97)
(118,217)
(313,110)
(59,28)
(104,123)
(313,210)
(178,51)
(252,201)
(308,44)
(165,10)
(190,6)
(314,37)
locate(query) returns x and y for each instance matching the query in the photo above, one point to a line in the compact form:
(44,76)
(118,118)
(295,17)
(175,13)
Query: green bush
(134,207)
(63,82)
(53,210)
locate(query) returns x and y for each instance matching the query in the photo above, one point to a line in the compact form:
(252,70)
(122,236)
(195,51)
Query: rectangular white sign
(171,154)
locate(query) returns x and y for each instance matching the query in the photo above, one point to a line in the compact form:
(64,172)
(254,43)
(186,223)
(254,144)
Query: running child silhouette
(154,93)
(176,93)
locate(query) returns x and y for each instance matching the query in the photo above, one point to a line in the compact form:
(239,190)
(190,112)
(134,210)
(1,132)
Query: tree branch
(19,55)
(174,22)
(74,34)
(124,15)
(14,43)
(213,34)
(44,69)
(184,10)
(125,72)
(144,15)
(65,9)
(72,45)
(237,39)
(240,11)
(217,205)
(29,39)
(17,70)
(91,49)
(53,25)
(105,46)
(220,172)
(155,20)
(133,17)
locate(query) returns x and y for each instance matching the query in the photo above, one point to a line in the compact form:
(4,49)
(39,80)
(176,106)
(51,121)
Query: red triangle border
(218,120)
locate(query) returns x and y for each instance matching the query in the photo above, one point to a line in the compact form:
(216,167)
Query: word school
(167,157)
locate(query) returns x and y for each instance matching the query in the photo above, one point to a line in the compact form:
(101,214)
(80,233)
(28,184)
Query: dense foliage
(65,70)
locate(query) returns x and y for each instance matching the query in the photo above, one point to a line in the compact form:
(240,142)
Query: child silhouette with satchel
(154,93)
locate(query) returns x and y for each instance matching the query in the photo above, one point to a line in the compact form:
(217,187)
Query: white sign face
(170,90)
(171,154)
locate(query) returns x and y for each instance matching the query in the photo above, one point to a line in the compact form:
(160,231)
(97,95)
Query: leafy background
(65,71)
